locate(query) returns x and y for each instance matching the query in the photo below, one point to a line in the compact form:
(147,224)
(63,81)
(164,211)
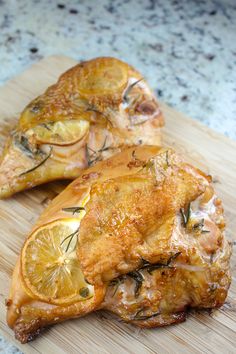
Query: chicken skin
(92,112)
(140,234)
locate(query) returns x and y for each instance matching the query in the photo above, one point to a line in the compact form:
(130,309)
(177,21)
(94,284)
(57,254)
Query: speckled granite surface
(186,48)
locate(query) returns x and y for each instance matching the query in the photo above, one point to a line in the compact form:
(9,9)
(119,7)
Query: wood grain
(100,332)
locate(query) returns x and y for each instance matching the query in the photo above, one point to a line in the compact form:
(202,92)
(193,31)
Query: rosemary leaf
(143,318)
(73,209)
(96,159)
(70,237)
(87,155)
(149,267)
(104,144)
(199,225)
(23,143)
(96,155)
(129,88)
(172,258)
(45,126)
(138,277)
(186,215)
(40,164)
(116,283)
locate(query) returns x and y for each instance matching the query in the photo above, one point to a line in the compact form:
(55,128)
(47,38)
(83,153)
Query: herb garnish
(104,147)
(138,277)
(46,126)
(149,267)
(96,156)
(143,317)
(40,164)
(129,88)
(186,214)
(116,282)
(84,292)
(88,156)
(73,210)
(70,237)
(199,225)
(22,142)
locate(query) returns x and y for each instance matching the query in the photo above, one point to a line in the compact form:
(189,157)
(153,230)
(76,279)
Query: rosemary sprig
(186,214)
(96,155)
(137,317)
(73,210)
(199,226)
(70,237)
(172,258)
(88,157)
(22,142)
(149,267)
(45,126)
(37,166)
(104,148)
(129,88)
(93,151)
(138,277)
(96,159)
(37,107)
(116,283)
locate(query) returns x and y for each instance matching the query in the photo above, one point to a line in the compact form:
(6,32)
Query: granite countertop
(186,49)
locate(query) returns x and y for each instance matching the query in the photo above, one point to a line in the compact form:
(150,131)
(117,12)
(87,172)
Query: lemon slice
(65,132)
(104,76)
(50,266)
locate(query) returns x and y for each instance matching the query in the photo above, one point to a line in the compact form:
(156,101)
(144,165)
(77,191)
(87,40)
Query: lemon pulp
(50,266)
(60,132)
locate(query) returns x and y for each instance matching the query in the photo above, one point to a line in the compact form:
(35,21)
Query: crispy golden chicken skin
(94,110)
(140,234)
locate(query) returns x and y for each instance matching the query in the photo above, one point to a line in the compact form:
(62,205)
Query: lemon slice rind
(50,267)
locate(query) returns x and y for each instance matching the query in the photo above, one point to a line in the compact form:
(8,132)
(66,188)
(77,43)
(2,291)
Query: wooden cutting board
(100,332)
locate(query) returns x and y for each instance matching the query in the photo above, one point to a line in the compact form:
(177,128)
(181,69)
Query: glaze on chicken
(150,243)
(92,112)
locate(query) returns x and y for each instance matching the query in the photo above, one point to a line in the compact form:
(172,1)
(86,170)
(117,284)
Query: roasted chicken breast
(140,234)
(94,110)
